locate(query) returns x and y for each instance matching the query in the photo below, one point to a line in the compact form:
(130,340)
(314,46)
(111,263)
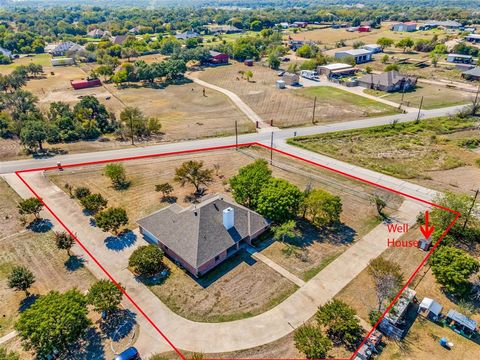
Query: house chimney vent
(228,218)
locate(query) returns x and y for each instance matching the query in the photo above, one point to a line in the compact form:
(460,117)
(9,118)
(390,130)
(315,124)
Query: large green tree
(105,296)
(310,341)
(452,268)
(249,181)
(53,322)
(194,173)
(341,323)
(30,206)
(146,260)
(33,134)
(20,279)
(111,219)
(322,208)
(93,203)
(117,174)
(279,200)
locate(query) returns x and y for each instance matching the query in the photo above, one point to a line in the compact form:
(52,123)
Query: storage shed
(280,84)
(290,79)
(430,308)
(461,323)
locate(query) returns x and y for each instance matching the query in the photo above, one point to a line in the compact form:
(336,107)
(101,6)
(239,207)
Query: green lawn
(338,97)
(434,96)
(41,59)
(406,150)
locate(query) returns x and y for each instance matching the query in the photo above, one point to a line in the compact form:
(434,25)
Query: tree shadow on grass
(118,325)
(122,241)
(27,302)
(40,225)
(90,347)
(74,263)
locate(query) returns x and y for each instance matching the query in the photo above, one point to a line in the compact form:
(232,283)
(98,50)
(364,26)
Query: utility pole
(474,107)
(314,108)
(131,129)
(236,135)
(271,148)
(419,109)
(471,208)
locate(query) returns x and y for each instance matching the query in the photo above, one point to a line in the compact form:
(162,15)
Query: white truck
(309,74)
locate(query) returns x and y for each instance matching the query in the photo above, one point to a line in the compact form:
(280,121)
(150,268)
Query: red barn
(364,28)
(83,84)
(218,58)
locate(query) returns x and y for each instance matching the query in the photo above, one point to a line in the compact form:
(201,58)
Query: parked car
(309,74)
(285,59)
(130,354)
(280,73)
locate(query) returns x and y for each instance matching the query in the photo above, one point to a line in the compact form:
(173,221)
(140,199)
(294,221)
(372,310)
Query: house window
(217,258)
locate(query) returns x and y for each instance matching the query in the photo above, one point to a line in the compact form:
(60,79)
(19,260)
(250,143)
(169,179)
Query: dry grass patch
(238,288)
(287,107)
(428,152)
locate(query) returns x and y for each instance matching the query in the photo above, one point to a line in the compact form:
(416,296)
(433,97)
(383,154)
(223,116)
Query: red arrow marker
(426,231)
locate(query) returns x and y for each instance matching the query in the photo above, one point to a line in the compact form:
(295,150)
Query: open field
(286,107)
(330,36)
(434,96)
(52,268)
(238,288)
(432,152)
(184,112)
(41,59)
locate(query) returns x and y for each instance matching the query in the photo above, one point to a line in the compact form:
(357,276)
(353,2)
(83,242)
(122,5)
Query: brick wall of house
(212,263)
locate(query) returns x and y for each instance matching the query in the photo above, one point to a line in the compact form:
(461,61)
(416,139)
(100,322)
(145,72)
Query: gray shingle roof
(197,234)
(385,79)
(473,72)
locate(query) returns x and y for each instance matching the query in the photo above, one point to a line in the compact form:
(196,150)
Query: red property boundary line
(183,152)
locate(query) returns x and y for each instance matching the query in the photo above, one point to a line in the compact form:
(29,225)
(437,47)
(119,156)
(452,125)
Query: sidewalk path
(272,264)
(213,337)
(247,110)
(8,337)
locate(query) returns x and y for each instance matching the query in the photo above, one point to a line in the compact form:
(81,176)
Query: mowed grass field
(432,152)
(434,96)
(226,294)
(288,107)
(36,251)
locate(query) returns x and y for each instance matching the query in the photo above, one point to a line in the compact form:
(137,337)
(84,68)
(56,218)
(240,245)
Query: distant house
(202,236)
(290,79)
(300,24)
(352,28)
(472,74)
(336,68)
(360,55)
(374,48)
(475,38)
(393,324)
(6,53)
(296,44)
(135,30)
(449,24)
(470,30)
(98,33)
(459,58)
(218,58)
(119,39)
(283,25)
(85,83)
(364,28)
(189,34)
(389,81)
(62,48)
(224,29)
(405,27)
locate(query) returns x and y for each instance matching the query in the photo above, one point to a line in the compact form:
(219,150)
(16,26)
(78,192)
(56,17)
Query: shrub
(81,192)
(146,260)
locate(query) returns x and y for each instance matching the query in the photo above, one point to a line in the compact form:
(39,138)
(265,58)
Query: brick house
(202,236)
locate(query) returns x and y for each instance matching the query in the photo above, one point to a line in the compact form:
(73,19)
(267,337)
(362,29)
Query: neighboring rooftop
(462,319)
(385,79)
(356,52)
(336,66)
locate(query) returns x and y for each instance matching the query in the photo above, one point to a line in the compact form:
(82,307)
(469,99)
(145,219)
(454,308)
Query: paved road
(211,337)
(11,166)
